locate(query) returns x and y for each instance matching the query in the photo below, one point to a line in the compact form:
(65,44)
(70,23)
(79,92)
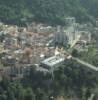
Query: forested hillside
(49,11)
(71,80)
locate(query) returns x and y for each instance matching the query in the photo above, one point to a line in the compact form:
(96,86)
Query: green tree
(3,97)
(11,94)
(29,95)
(75,53)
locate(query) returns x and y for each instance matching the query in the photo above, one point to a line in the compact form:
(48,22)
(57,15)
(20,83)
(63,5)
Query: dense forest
(48,11)
(71,80)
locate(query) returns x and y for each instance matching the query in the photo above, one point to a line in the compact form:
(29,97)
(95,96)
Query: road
(75,41)
(92,97)
(86,64)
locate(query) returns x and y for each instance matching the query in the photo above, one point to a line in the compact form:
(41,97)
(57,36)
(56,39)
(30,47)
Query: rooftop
(52,61)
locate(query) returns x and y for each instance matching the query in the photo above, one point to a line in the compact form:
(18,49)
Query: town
(48,50)
(42,47)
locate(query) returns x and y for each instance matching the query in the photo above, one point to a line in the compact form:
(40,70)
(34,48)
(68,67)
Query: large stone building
(60,37)
(53,62)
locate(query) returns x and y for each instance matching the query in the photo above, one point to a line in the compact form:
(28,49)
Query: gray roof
(52,61)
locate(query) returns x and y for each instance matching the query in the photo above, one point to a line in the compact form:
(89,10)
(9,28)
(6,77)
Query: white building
(53,62)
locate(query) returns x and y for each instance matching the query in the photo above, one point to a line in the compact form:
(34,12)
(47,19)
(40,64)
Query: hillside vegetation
(48,11)
(71,80)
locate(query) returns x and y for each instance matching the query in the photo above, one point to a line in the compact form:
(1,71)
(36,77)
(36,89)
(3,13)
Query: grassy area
(91,56)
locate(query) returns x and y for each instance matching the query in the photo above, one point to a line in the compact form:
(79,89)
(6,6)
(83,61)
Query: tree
(5,82)
(11,95)
(75,53)
(3,97)
(88,93)
(29,95)
(20,92)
